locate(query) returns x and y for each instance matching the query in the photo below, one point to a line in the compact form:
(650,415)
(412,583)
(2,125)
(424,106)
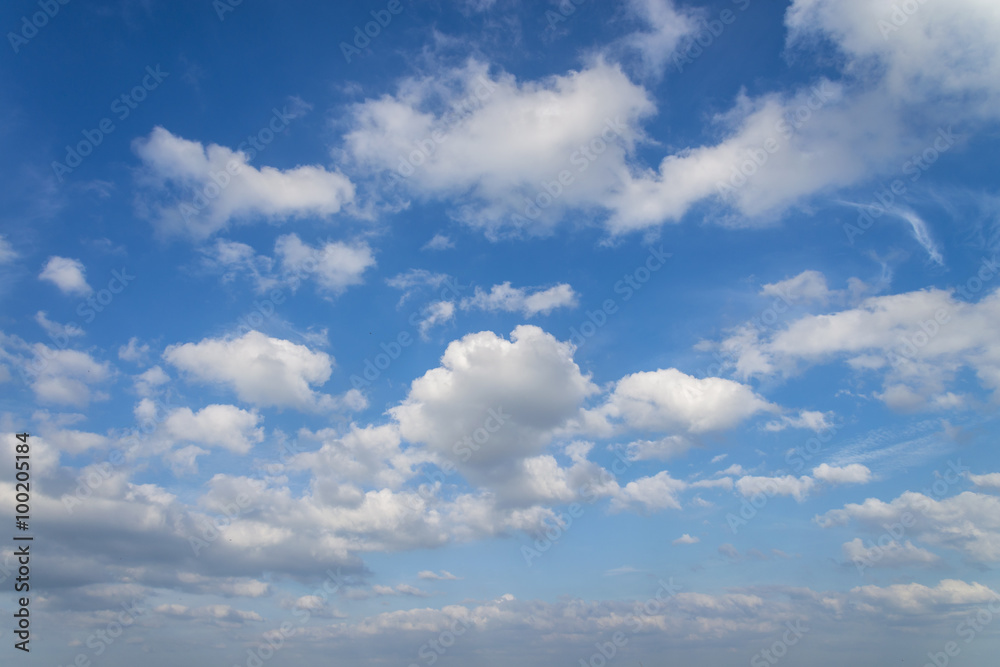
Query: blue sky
(550,333)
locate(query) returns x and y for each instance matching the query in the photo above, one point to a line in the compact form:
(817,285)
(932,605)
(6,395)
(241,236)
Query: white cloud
(515,137)
(806,287)
(789,485)
(667,400)
(652,493)
(55,329)
(7,252)
(492,407)
(224,426)
(65,376)
(439,242)
(968,523)
(335,265)
(134,351)
(854,473)
(667,28)
(186,168)
(891,555)
(917,598)
(264,371)
(810,419)
(66,274)
(435,313)
(516,299)
(686,539)
(918,341)
(989,481)
(445,575)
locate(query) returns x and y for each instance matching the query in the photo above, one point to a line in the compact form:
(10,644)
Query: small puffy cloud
(729,551)
(686,539)
(807,287)
(179,170)
(65,376)
(890,555)
(810,419)
(264,371)
(433,314)
(654,493)
(854,473)
(515,299)
(665,27)
(149,382)
(55,329)
(7,252)
(917,598)
(968,523)
(66,274)
(444,575)
(335,266)
(439,242)
(670,401)
(134,351)
(989,481)
(789,485)
(224,426)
